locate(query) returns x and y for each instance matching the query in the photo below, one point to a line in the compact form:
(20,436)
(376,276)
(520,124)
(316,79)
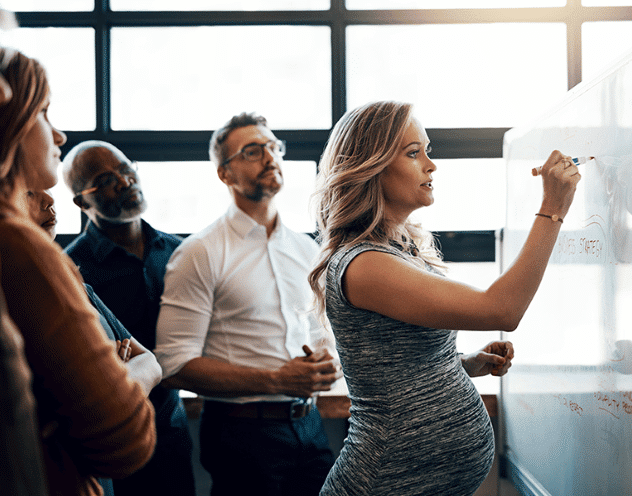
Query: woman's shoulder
(344,255)
(348,252)
(20,232)
(29,249)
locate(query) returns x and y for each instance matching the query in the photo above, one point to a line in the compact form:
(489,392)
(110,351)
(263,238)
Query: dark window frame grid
(308,144)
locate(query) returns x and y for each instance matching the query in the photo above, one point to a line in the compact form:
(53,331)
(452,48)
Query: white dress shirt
(235,295)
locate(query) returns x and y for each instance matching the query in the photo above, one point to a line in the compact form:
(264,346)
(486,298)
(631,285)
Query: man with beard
(123,258)
(235,327)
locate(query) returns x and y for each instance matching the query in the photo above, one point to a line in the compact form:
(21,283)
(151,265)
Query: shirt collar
(244,225)
(102,246)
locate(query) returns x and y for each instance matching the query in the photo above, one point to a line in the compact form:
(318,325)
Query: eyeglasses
(109,179)
(254,152)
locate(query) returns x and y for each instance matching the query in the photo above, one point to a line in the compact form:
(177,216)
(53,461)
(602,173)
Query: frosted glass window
(469,196)
(603,43)
(47,5)
(68,56)
(153,5)
(185,197)
(478,75)
(449,4)
(197,78)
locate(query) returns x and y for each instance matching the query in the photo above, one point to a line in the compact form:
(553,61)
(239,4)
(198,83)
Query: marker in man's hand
(536,171)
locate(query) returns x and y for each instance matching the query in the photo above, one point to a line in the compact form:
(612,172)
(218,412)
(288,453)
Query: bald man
(123,258)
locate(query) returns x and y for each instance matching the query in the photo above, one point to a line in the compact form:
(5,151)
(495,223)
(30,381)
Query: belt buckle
(300,408)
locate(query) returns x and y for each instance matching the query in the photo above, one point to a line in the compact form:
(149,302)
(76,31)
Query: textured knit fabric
(95,420)
(418,426)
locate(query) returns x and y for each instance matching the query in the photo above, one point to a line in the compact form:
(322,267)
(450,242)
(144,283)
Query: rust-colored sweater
(95,421)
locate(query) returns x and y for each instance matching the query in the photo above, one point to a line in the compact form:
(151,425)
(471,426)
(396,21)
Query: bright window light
(68,214)
(48,5)
(153,5)
(192,198)
(480,275)
(478,75)
(603,43)
(67,54)
(449,4)
(182,78)
(469,196)
(606,3)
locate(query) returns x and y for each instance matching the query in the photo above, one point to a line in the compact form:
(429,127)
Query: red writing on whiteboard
(571,405)
(526,406)
(566,245)
(569,246)
(613,404)
(591,246)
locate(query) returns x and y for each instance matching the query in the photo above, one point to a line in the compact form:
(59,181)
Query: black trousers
(264,457)
(170,470)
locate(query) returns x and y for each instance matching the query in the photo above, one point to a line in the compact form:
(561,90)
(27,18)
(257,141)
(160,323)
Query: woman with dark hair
(94,420)
(418,425)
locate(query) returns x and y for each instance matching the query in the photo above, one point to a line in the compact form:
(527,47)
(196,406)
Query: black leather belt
(270,410)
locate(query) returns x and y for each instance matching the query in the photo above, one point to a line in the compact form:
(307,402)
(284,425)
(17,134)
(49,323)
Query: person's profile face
(41,151)
(117,195)
(407,181)
(42,211)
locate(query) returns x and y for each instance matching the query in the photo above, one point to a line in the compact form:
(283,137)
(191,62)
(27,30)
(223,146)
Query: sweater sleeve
(105,422)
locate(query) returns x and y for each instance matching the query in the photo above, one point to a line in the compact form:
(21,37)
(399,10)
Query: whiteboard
(566,404)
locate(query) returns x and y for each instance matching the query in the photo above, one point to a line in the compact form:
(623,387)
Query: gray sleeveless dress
(418,425)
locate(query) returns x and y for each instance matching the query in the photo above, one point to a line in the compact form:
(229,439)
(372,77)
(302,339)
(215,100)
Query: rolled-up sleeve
(186,307)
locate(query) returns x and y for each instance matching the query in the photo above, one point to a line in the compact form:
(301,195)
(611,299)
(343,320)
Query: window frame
(307,144)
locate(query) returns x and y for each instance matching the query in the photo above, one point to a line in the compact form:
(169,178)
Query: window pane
(192,198)
(197,78)
(603,43)
(68,214)
(606,3)
(469,196)
(480,275)
(68,56)
(47,5)
(449,4)
(153,5)
(502,75)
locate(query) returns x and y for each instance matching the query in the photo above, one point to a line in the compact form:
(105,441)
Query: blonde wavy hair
(349,200)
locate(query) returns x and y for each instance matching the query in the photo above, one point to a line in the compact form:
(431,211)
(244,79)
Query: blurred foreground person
(94,419)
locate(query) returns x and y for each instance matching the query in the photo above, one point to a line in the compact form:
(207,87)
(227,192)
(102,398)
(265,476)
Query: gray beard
(126,214)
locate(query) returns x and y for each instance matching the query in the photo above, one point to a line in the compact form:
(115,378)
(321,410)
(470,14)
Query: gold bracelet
(554,217)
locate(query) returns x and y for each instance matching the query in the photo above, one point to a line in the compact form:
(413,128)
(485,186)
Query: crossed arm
(141,364)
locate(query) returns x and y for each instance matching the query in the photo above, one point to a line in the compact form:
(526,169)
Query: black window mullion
(102,69)
(338,60)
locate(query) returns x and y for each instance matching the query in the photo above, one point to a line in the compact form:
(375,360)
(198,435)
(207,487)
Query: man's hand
(494,359)
(304,376)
